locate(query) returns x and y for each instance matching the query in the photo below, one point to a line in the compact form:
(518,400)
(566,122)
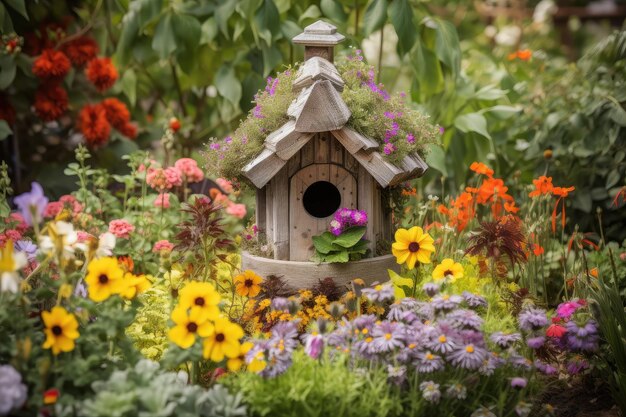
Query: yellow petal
(402,235)
(411,260)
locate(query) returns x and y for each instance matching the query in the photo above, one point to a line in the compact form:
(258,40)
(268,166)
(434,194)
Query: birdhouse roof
(320,108)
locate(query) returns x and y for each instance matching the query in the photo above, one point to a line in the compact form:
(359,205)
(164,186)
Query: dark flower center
(103,279)
(414,246)
(199,301)
(192,327)
(57,330)
(219,337)
(248,283)
(448,272)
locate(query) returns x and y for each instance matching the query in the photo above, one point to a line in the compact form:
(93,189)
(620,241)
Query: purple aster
(577,365)
(535,342)
(430,391)
(532,319)
(214,146)
(431,289)
(32,204)
(410,138)
(388,336)
(428,362)
(442,343)
(519,361)
(446,302)
(456,392)
(379,293)
(314,345)
(396,374)
(473,300)
(505,340)
(12,391)
(583,338)
(256,112)
(28,247)
(545,368)
(284,337)
(490,364)
(518,382)
(280,304)
(365,321)
(468,356)
(462,318)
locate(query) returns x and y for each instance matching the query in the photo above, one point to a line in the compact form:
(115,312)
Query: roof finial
(319,39)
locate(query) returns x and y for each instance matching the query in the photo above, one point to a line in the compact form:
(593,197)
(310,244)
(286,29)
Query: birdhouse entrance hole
(321,199)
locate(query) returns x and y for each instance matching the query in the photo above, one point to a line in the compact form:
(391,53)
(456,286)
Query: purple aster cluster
(582,337)
(532,319)
(277,351)
(271,85)
(345,218)
(376,88)
(379,293)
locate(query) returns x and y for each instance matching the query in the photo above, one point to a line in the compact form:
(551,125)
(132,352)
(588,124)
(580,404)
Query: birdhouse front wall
(299,201)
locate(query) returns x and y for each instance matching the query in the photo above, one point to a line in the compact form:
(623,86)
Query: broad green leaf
(267,20)
(164,41)
(334,10)
(401,14)
(472,122)
(375,16)
(7,24)
(209,31)
(7,71)
(350,237)
(19,6)
(447,45)
(224,11)
(502,112)
(312,12)
(613,178)
(436,158)
(427,69)
(323,243)
(227,84)
(246,8)
(399,283)
(490,92)
(128,84)
(290,29)
(140,13)
(187,30)
(337,257)
(271,58)
(5,130)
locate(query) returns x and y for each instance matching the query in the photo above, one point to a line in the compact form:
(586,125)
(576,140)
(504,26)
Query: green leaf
(271,58)
(209,31)
(140,13)
(613,178)
(224,11)
(323,243)
(350,237)
(502,112)
(19,6)
(128,84)
(164,41)
(447,45)
(334,10)
(436,158)
(375,16)
(312,12)
(337,257)
(187,30)
(267,20)
(399,283)
(227,84)
(472,122)
(490,92)
(290,29)
(7,71)
(5,130)
(427,69)
(401,14)
(7,24)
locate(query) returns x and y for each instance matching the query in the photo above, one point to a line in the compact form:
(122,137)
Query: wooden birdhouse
(315,164)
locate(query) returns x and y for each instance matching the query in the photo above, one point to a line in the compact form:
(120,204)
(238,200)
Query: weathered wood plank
(350,163)
(319,108)
(353,141)
(366,201)
(383,171)
(293,165)
(307,154)
(322,148)
(262,168)
(269,217)
(336,150)
(260,210)
(280,212)
(317,68)
(285,141)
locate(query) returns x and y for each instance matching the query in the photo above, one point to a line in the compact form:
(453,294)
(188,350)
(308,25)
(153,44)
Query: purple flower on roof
(532,319)
(441,130)
(228,139)
(390,115)
(244,139)
(505,340)
(345,218)
(272,83)
(388,336)
(431,289)
(379,293)
(518,382)
(389,148)
(214,146)
(32,204)
(430,391)
(256,112)
(473,300)
(468,356)
(428,362)
(410,138)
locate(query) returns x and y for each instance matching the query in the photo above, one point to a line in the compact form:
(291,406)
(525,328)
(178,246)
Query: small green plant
(348,246)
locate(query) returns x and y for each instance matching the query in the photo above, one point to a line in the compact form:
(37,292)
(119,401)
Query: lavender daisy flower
(545,368)
(428,362)
(483,412)
(396,374)
(430,391)
(473,300)
(457,392)
(518,382)
(365,348)
(28,247)
(473,337)
(465,319)
(442,343)
(532,319)
(379,293)
(431,289)
(388,336)
(12,391)
(284,337)
(468,356)
(583,338)
(522,409)
(366,321)
(577,365)
(490,364)
(519,361)
(32,204)
(280,304)
(314,345)
(535,342)
(505,340)
(446,302)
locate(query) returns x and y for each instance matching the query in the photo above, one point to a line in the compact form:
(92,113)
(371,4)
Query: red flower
(543,185)
(129,130)
(538,249)
(117,112)
(93,124)
(174,124)
(51,65)
(81,50)
(101,73)
(480,168)
(50,396)
(7,111)
(50,102)
(555,330)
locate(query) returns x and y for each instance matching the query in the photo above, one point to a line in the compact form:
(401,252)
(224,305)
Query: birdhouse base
(307,274)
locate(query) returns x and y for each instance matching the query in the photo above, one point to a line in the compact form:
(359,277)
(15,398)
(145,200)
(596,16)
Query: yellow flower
(412,246)
(235,364)
(134,284)
(104,278)
(258,362)
(247,284)
(189,325)
(202,295)
(446,268)
(10,263)
(65,291)
(224,341)
(61,330)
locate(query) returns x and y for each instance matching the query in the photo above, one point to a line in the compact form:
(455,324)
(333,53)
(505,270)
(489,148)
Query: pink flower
(163,245)
(164,179)
(121,228)
(52,209)
(565,310)
(12,234)
(225,185)
(83,236)
(189,168)
(237,210)
(173,177)
(71,202)
(162,200)
(18,219)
